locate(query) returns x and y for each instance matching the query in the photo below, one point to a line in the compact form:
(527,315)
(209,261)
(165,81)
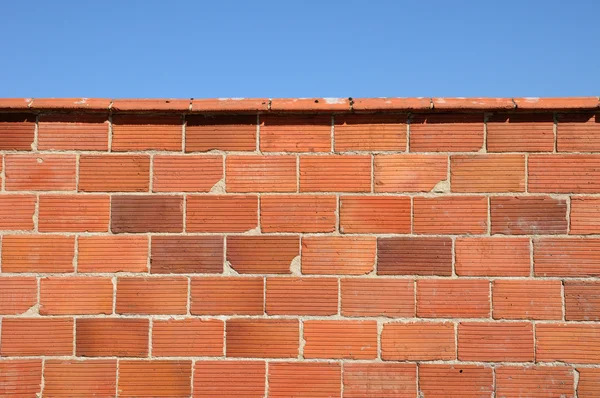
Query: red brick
(37,253)
(146,213)
(520,133)
(487,173)
(187,338)
(460,103)
(222,213)
(36,336)
(102,337)
(73,132)
(114,173)
(304,380)
(17,294)
(380,380)
(76,296)
(575,343)
(262,254)
(176,173)
(62,104)
(528,215)
(450,215)
(564,173)
(495,256)
(262,338)
(227,296)
(375,214)
(346,173)
(68,378)
(340,339)
(20,377)
(74,213)
(112,253)
(155,378)
(370,133)
(143,132)
(186,254)
(346,255)
(585,215)
(295,133)
(163,295)
(414,256)
(556,103)
(16,212)
(391,103)
(582,301)
(495,341)
(150,104)
(259,173)
(223,132)
(17,132)
(229,379)
(378,297)
(298,213)
(527,299)
(309,104)
(589,382)
(302,296)
(227,105)
(566,257)
(535,381)
(40,172)
(446,133)
(578,132)
(419,341)
(409,172)
(446,298)
(455,381)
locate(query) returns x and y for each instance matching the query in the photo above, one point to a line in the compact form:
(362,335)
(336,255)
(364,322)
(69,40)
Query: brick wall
(300,248)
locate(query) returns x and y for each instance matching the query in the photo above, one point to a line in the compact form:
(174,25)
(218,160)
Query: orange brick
(112,253)
(420,341)
(589,382)
(261,173)
(262,338)
(340,339)
(309,104)
(370,133)
(16,212)
(535,381)
(492,257)
(409,172)
(380,380)
(68,378)
(582,301)
(347,255)
(520,133)
(155,378)
(223,132)
(375,214)
(527,299)
(17,132)
(578,132)
(37,336)
(495,341)
(346,173)
(487,173)
(114,173)
(75,296)
(585,215)
(295,133)
(446,133)
(229,379)
(227,296)
(566,257)
(17,294)
(102,337)
(414,256)
(450,215)
(262,254)
(228,105)
(455,381)
(304,380)
(20,377)
(378,297)
(575,343)
(187,337)
(445,298)
(222,213)
(146,213)
(186,254)
(302,296)
(74,213)
(164,295)
(564,173)
(37,253)
(298,213)
(143,132)
(176,173)
(40,172)
(528,215)
(73,132)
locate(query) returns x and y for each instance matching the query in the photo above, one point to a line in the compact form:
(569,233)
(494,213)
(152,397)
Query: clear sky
(310,48)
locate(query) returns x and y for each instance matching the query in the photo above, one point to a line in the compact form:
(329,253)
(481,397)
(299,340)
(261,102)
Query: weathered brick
(566,257)
(302,296)
(259,173)
(528,215)
(495,341)
(295,134)
(186,254)
(527,299)
(334,173)
(348,255)
(176,173)
(438,298)
(589,382)
(74,213)
(227,296)
(487,173)
(146,213)
(40,172)
(221,213)
(114,173)
(582,300)
(409,172)
(446,133)
(450,215)
(340,339)
(380,380)
(375,214)
(298,213)
(16,212)
(262,254)
(17,294)
(414,256)
(455,381)
(535,381)
(378,297)
(20,377)
(495,256)
(418,341)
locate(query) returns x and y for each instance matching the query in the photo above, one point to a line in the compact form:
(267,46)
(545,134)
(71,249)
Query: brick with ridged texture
(340,339)
(418,341)
(375,214)
(574,343)
(16,212)
(455,381)
(589,382)
(450,215)
(520,133)
(409,172)
(573,257)
(73,132)
(569,173)
(187,338)
(163,378)
(295,133)
(453,298)
(186,254)
(446,133)
(36,336)
(229,379)
(378,297)
(161,295)
(221,213)
(495,341)
(223,132)
(370,133)
(262,254)
(527,299)
(142,132)
(177,173)
(74,213)
(114,173)
(76,295)
(492,256)
(380,380)
(227,296)
(304,380)
(535,381)
(152,213)
(257,173)
(37,253)
(346,255)
(262,338)
(112,253)
(17,294)
(17,132)
(104,337)
(582,300)
(578,132)
(68,378)
(20,377)
(335,173)
(40,172)
(410,256)
(487,173)
(524,215)
(302,296)
(298,213)
(585,215)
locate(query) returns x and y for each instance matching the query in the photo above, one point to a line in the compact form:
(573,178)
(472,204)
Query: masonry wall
(300,248)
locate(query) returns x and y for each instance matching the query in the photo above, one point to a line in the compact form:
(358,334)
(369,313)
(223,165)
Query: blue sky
(311,48)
